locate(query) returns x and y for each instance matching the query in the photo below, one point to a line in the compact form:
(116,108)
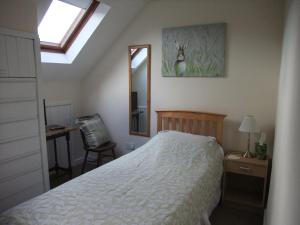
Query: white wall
(64,93)
(252,67)
(18,15)
(284,198)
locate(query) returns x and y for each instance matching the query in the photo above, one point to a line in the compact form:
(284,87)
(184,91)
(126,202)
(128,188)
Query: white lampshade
(248,124)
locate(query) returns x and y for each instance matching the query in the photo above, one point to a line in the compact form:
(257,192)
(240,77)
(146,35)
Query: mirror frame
(148,46)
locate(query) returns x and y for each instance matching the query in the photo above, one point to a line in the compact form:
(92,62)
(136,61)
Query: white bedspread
(170,180)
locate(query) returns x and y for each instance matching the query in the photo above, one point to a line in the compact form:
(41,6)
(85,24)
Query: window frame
(58,48)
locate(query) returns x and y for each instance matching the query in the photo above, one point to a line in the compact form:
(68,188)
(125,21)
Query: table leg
(55,155)
(69,154)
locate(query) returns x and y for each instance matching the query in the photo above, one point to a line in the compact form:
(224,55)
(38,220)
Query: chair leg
(113,153)
(99,159)
(84,162)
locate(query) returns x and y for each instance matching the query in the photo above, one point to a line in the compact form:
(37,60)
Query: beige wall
(18,15)
(284,198)
(252,67)
(63,91)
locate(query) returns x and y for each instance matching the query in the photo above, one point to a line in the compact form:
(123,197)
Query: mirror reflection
(139,76)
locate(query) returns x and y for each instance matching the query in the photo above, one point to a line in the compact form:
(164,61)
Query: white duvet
(173,179)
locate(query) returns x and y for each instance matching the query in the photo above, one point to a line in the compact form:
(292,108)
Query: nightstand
(245,182)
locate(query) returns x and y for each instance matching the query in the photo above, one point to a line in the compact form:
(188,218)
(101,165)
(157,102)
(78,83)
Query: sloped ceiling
(115,22)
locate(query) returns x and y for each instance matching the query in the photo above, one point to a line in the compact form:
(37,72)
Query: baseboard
(79,161)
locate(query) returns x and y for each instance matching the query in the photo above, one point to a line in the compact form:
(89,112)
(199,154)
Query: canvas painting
(194,51)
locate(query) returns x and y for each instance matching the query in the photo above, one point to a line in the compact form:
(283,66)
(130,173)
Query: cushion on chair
(94,130)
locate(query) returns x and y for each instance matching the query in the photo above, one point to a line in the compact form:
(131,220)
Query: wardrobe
(23,154)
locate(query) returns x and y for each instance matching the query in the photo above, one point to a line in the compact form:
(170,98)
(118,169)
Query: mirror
(139,89)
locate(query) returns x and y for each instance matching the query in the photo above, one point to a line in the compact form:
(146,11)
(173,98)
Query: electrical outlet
(130,146)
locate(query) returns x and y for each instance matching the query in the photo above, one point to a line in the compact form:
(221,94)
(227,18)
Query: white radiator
(60,114)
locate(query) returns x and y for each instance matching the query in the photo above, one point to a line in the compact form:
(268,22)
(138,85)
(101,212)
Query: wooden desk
(52,135)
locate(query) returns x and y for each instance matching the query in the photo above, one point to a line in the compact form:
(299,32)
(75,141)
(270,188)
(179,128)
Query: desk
(52,135)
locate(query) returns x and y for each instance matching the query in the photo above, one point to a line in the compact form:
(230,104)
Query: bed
(172,179)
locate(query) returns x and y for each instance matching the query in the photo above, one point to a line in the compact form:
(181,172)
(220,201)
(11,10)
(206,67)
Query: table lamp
(248,125)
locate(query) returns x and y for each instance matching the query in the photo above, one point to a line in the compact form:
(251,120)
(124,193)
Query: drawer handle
(246,169)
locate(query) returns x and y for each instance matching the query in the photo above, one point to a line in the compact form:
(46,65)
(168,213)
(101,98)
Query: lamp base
(247,154)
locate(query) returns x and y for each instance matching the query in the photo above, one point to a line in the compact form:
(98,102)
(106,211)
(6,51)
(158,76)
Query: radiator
(60,114)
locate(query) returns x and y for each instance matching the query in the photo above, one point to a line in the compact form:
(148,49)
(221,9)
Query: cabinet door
(3,58)
(12,56)
(20,57)
(26,57)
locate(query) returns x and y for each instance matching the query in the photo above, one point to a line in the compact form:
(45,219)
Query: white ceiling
(115,22)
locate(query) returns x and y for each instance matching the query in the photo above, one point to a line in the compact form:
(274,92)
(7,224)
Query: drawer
(22,196)
(19,167)
(18,130)
(245,168)
(17,89)
(15,111)
(19,148)
(21,183)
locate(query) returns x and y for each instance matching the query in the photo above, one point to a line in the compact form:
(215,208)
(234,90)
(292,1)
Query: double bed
(172,179)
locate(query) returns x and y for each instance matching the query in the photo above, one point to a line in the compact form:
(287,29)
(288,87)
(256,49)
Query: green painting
(194,51)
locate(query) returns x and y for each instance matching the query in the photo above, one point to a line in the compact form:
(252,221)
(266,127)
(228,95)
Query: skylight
(65,49)
(58,21)
(62,24)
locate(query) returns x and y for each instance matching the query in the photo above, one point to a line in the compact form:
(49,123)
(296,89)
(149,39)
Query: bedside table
(245,182)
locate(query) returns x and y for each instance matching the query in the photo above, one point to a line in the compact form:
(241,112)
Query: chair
(95,138)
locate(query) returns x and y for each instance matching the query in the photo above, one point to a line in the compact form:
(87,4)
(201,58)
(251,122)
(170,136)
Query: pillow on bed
(94,130)
(210,139)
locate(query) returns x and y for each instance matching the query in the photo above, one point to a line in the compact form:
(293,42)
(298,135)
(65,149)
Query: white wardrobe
(23,154)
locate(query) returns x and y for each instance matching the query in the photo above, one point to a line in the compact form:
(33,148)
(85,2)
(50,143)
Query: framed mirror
(139,89)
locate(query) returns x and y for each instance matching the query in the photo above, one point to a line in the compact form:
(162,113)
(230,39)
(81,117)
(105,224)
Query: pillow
(93,130)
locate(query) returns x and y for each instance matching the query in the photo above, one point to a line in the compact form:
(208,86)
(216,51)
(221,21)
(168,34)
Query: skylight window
(61,25)
(57,21)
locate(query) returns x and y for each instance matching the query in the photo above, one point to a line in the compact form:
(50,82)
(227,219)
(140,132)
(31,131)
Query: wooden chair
(104,150)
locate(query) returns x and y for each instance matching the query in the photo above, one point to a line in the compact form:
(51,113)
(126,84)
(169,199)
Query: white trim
(43,144)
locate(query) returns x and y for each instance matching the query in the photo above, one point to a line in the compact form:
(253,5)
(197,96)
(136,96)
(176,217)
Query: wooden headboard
(209,124)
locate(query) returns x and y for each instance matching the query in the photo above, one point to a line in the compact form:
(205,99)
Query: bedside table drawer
(245,168)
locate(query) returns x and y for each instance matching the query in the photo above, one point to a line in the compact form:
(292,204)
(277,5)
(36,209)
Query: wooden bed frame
(202,123)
